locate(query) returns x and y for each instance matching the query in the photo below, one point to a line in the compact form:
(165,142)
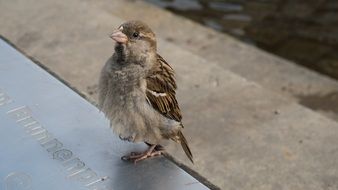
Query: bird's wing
(161,88)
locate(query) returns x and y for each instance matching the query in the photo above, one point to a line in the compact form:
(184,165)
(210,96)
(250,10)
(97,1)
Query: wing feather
(161,86)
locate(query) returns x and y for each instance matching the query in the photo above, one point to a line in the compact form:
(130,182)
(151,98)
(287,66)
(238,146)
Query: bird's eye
(135,34)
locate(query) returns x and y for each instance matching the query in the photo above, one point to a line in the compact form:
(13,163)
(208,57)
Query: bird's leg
(151,152)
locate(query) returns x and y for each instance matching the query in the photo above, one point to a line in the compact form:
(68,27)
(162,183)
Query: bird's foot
(136,157)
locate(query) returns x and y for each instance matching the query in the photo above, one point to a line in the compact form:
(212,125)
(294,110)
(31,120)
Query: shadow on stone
(325,102)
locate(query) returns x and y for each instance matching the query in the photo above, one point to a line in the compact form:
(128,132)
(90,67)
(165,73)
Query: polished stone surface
(52,138)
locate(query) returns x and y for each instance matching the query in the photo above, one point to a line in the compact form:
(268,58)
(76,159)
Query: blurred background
(303,31)
(257,79)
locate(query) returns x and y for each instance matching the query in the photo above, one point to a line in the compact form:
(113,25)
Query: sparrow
(137,92)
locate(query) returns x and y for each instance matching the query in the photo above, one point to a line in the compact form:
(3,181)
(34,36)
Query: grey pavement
(241,106)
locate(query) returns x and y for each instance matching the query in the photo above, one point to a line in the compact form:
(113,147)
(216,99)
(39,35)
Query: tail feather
(185,146)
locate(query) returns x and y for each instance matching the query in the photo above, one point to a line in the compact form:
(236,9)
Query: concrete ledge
(272,72)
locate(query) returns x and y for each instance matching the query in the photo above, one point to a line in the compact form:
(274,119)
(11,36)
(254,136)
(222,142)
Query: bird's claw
(134,153)
(125,158)
(136,157)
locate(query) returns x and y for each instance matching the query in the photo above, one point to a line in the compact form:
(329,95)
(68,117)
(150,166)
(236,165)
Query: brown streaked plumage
(137,92)
(161,79)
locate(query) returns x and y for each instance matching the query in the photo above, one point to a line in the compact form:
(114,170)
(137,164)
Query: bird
(137,92)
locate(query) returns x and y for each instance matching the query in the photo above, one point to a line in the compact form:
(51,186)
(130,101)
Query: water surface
(305,31)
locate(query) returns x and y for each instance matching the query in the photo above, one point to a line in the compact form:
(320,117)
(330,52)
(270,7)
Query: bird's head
(134,39)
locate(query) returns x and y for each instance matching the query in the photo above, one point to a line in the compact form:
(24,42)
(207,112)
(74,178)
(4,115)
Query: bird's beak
(119,37)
